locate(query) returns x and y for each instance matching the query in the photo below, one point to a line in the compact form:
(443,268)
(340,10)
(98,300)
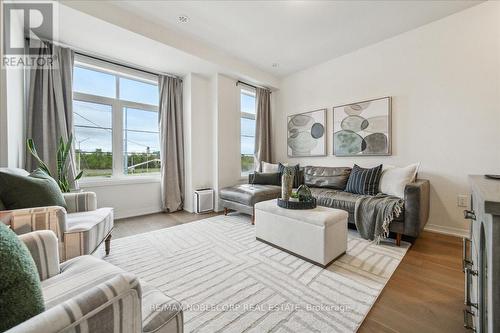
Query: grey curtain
(50,107)
(171,143)
(263,127)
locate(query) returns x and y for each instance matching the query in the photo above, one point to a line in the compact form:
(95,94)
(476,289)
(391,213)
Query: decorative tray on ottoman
(310,204)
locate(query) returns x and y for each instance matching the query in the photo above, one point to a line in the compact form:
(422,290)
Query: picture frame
(363,128)
(306,134)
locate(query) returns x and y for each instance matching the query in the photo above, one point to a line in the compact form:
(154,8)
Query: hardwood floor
(425,294)
(138,225)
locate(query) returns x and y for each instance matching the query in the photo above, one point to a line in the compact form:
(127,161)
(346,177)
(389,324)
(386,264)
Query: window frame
(117,109)
(244,90)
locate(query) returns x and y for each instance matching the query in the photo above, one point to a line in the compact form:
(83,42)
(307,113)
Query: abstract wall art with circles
(362,129)
(307,134)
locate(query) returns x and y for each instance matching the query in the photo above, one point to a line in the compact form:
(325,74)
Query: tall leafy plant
(63,150)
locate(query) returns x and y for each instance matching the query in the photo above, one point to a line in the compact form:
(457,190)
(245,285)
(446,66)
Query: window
(247,141)
(93,138)
(141,141)
(115,120)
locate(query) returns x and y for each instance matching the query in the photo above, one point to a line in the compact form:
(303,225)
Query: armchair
(87,294)
(81,228)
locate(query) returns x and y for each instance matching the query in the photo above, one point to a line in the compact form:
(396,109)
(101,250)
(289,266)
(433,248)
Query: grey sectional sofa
(324,183)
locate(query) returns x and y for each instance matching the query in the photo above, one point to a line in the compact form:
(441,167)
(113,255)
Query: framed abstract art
(307,134)
(363,128)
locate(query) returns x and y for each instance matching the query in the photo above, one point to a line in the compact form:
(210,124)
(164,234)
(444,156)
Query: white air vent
(203,200)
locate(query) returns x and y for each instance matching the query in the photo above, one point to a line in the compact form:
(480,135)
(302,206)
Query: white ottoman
(316,235)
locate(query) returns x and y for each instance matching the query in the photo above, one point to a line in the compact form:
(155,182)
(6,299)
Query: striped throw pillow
(364,181)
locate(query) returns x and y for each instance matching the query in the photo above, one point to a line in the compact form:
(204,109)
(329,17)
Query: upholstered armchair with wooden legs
(90,295)
(80,229)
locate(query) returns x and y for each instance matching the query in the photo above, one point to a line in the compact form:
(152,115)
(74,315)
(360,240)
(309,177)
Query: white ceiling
(294,34)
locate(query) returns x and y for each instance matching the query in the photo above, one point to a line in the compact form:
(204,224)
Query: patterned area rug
(227,281)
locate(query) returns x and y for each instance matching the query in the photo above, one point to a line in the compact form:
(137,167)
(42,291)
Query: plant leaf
(80,174)
(31,147)
(66,150)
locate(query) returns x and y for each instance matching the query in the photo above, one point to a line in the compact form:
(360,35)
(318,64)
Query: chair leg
(398,239)
(253,216)
(107,244)
(226,211)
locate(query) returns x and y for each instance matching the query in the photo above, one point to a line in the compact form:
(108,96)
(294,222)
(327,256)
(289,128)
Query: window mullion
(118,158)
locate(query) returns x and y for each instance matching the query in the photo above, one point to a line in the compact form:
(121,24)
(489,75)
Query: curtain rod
(114,62)
(251,85)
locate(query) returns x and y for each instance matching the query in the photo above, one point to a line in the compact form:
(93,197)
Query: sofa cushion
(20,290)
(364,181)
(37,190)
(248,194)
(267,178)
(76,276)
(86,230)
(394,179)
(327,177)
(269,167)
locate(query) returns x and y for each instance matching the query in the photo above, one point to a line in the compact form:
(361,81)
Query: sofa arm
(43,247)
(80,201)
(26,220)
(98,310)
(417,197)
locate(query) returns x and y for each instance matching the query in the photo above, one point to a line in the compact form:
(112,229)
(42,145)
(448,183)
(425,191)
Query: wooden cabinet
(482,257)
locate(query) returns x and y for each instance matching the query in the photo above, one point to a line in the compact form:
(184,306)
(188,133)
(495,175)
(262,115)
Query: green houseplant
(63,150)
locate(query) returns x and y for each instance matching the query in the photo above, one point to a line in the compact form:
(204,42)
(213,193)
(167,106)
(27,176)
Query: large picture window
(247,133)
(115,120)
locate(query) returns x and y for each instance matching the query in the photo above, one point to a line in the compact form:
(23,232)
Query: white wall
(226,110)
(12,107)
(445,82)
(211,101)
(128,197)
(198,136)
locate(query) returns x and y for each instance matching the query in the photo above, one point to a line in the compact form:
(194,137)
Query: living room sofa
(87,294)
(324,183)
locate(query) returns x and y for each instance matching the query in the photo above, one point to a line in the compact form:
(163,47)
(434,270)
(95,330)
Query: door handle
(468,323)
(466,261)
(469,214)
(468,281)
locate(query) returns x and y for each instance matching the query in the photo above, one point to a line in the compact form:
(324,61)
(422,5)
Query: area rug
(229,282)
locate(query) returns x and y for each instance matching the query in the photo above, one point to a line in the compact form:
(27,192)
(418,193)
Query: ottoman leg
(398,239)
(226,211)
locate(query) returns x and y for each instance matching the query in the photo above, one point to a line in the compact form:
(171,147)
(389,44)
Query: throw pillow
(394,179)
(296,173)
(364,181)
(20,289)
(326,177)
(269,167)
(267,178)
(36,190)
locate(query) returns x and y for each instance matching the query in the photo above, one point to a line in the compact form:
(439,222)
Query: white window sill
(115,181)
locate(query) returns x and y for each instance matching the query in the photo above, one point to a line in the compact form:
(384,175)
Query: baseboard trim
(124,213)
(457,232)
